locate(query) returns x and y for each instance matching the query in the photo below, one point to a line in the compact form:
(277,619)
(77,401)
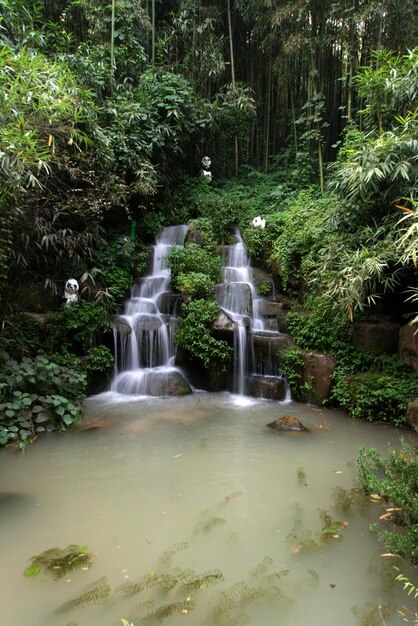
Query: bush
(399,488)
(375,396)
(73,329)
(194,285)
(193,258)
(194,336)
(38,395)
(21,336)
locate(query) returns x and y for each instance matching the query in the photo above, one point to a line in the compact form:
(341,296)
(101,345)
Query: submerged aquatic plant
(346,499)
(262,567)
(239,595)
(58,562)
(330,528)
(130,588)
(94,595)
(206,526)
(370,614)
(301,474)
(230,497)
(168,554)
(301,539)
(166,610)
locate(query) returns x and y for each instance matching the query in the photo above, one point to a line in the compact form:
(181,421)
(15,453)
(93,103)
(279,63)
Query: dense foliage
(395,479)
(105,116)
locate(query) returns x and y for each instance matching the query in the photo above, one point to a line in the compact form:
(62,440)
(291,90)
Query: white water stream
(204,477)
(144,357)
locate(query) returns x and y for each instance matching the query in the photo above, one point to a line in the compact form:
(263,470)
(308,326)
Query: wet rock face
(176,385)
(317,372)
(269,387)
(408,345)
(376,337)
(412,414)
(288,422)
(234,296)
(122,327)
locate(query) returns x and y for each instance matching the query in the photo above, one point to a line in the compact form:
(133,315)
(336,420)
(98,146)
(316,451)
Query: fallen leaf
(386,516)
(337,472)
(332,585)
(85,569)
(296,548)
(394,509)
(176,456)
(375,496)
(125,570)
(345,524)
(388,554)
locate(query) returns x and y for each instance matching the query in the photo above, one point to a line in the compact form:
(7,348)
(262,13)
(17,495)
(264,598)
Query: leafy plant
(399,488)
(38,395)
(58,562)
(194,335)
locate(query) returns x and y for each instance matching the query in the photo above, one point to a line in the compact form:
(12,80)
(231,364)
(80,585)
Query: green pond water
(192,502)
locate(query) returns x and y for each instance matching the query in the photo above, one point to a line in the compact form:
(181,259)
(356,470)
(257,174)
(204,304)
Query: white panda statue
(259,222)
(71,295)
(205,171)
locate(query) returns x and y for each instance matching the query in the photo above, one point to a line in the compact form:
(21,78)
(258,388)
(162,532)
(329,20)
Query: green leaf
(33,570)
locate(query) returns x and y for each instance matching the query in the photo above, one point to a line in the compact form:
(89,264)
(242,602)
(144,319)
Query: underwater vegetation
(58,562)
(95,594)
(347,499)
(168,554)
(370,614)
(301,474)
(209,524)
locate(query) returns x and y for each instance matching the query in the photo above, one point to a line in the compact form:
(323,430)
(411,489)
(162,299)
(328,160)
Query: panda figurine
(205,171)
(71,292)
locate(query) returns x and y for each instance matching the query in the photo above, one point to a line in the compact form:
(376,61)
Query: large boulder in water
(288,422)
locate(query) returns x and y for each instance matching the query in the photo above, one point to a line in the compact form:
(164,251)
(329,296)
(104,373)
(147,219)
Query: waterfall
(256,367)
(144,333)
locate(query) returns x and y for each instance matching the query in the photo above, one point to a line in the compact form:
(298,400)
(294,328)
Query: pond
(193,505)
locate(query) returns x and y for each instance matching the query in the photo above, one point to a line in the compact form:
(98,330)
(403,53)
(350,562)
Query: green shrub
(193,258)
(394,478)
(293,369)
(99,359)
(21,336)
(38,395)
(194,335)
(73,328)
(118,282)
(194,285)
(375,396)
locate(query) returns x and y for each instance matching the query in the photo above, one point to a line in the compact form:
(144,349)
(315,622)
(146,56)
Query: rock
(267,348)
(223,323)
(268,387)
(33,297)
(288,422)
(317,372)
(259,277)
(176,384)
(412,414)
(194,235)
(270,309)
(234,296)
(121,326)
(376,337)
(408,345)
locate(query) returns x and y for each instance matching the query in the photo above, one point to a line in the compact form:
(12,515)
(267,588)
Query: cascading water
(144,333)
(256,365)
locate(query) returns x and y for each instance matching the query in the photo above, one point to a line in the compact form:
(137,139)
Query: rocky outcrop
(237,297)
(376,337)
(288,422)
(223,323)
(122,327)
(408,345)
(175,384)
(317,374)
(412,414)
(268,387)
